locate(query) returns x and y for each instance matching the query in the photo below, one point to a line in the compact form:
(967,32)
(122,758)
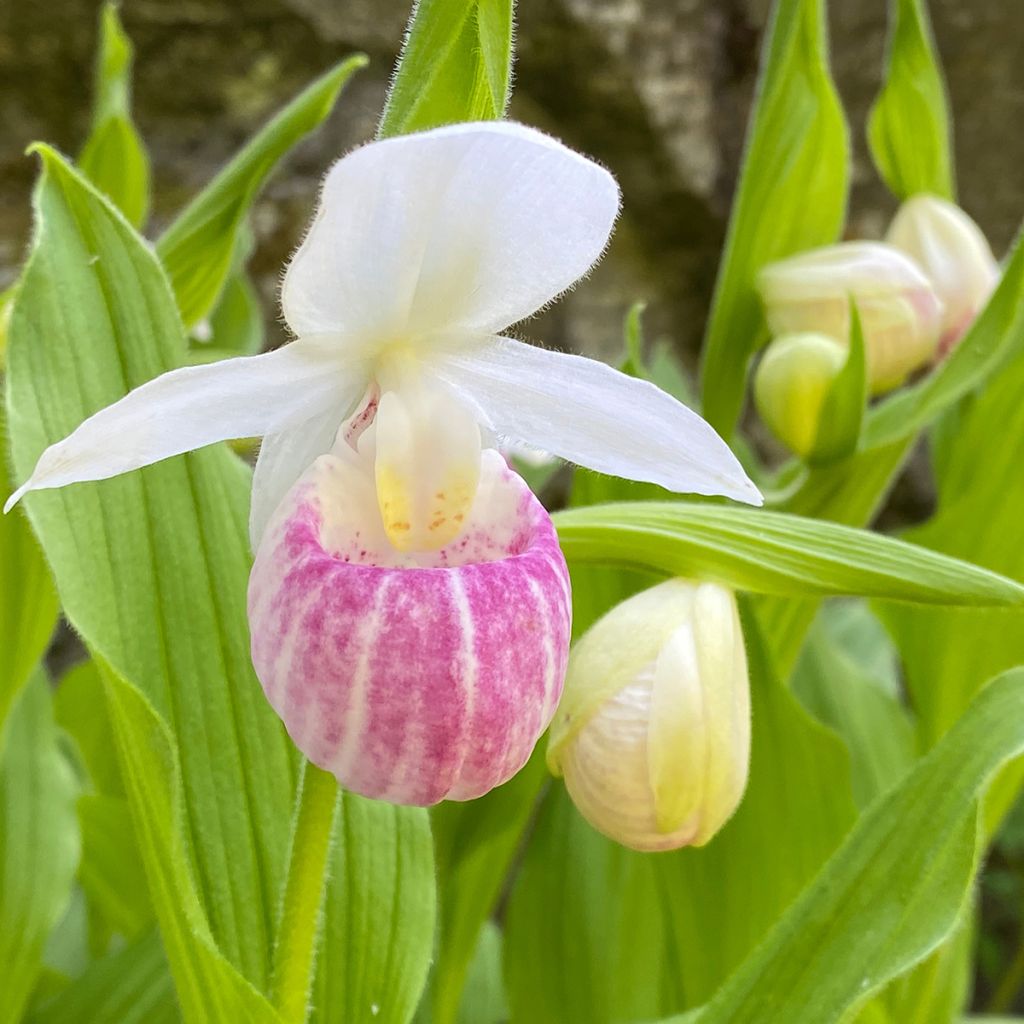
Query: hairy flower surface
(424,249)
(409,605)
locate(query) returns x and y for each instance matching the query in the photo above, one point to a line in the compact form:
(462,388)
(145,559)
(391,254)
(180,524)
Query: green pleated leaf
(111,872)
(114,158)
(836,682)
(456,65)
(208,986)
(992,341)
(849,491)
(791,194)
(80,709)
(980,496)
(909,129)
(197,248)
(379,915)
(895,888)
(129,986)
(152,567)
(38,843)
(28,603)
(475,845)
(585,928)
(773,553)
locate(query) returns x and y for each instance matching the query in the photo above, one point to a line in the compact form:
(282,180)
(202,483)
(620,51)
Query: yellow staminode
(427,465)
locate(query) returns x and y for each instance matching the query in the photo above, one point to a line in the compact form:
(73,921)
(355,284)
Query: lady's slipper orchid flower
(409,605)
(652,734)
(899,310)
(955,255)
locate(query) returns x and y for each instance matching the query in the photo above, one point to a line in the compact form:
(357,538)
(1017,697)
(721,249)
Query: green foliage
(909,128)
(208,771)
(791,194)
(773,553)
(842,412)
(456,65)
(895,888)
(28,607)
(475,844)
(198,247)
(379,917)
(129,986)
(38,842)
(114,158)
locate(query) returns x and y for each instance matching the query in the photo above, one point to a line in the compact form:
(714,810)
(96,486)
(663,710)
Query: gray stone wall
(658,90)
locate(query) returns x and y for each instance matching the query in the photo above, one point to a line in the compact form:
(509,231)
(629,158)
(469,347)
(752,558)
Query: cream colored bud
(900,313)
(953,253)
(652,734)
(791,384)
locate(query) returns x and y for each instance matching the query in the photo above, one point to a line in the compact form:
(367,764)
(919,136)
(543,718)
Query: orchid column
(409,604)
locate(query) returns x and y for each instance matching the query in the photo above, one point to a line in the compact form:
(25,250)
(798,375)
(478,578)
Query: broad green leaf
(456,65)
(28,601)
(773,553)
(937,989)
(842,412)
(38,842)
(484,1000)
(850,492)
(791,194)
(379,917)
(208,987)
(197,248)
(585,927)
(111,872)
(833,681)
(80,709)
(129,986)
(909,128)
(152,567)
(980,497)
(992,341)
(893,891)
(475,844)
(114,158)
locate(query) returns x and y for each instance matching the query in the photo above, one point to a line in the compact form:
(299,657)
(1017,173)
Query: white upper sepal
(588,413)
(192,407)
(469,228)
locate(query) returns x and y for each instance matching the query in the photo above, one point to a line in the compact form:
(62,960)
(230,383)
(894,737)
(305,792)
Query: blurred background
(658,90)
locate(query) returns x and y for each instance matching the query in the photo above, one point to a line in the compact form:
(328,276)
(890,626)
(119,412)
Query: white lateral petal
(192,407)
(285,456)
(588,413)
(471,226)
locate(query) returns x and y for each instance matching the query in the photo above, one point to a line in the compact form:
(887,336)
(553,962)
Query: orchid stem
(302,906)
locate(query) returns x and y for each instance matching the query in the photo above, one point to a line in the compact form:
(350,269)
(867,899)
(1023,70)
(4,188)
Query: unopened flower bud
(652,734)
(900,313)
(791,384)
(955,255)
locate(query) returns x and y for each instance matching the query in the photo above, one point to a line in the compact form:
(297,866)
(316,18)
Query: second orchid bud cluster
(916,294)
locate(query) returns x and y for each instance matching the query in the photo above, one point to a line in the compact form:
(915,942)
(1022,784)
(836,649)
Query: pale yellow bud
(652,734)
(900,313)
(792,382)
(953,253)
